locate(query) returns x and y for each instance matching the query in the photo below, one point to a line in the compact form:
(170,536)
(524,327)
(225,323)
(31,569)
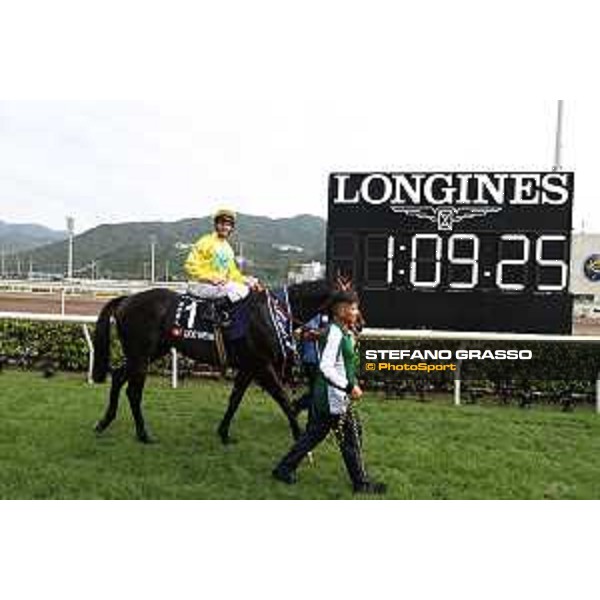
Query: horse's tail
(102,340)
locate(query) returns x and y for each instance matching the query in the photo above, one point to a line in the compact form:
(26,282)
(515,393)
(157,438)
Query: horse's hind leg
(135,389)
(118,379)
(240,385)
(271,383)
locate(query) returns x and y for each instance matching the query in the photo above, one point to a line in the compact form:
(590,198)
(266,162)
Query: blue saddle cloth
(240,316)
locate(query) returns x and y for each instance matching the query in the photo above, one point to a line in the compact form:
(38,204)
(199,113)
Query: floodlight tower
(559,135)
(71,230)
(152,258)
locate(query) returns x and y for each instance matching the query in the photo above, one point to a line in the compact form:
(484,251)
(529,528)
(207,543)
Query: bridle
(341,284)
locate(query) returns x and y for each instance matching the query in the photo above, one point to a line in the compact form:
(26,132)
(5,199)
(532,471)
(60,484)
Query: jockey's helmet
(225,214)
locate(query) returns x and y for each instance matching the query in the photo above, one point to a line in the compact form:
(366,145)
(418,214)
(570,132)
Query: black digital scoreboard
(455,251)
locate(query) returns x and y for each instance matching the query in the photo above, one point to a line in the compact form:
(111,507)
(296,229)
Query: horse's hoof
(99,427)
(226,439)
(223,436)
(145,439)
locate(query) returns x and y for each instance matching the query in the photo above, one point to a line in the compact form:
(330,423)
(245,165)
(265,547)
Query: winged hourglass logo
(445,217)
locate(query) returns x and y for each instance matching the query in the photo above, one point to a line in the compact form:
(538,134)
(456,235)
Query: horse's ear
(343,283)
(336,279)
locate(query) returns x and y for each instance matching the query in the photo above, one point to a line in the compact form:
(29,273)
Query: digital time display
(458,251)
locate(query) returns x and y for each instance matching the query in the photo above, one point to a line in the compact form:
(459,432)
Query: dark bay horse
(143,324)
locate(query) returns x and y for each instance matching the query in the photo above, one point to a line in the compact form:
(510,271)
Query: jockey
(211,263)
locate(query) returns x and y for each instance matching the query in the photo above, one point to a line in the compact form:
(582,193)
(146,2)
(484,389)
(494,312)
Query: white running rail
(366,334)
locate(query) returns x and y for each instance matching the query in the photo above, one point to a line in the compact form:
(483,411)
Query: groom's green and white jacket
(337,372)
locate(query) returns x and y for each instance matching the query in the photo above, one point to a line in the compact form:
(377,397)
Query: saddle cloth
(195,318)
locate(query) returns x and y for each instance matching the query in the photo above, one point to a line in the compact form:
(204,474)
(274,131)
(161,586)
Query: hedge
(557,367)
(30,344)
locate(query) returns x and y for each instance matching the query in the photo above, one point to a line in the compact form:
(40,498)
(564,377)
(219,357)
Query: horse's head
(310,298)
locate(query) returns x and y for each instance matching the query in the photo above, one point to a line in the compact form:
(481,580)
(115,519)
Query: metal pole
(3,262)
(70,266)
(152,258)
(598,394)
(173,368)
(71,230)
(559,136)
(63,293)
(457,384)
(90,345)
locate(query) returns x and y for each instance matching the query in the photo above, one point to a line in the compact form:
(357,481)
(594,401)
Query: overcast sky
(118,161)
(253,104)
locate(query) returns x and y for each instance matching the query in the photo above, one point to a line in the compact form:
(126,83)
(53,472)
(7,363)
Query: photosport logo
(440,362)
(428,361)
(591,267)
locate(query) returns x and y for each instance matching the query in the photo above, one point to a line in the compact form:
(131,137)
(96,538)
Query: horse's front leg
(272,384)
(240,385)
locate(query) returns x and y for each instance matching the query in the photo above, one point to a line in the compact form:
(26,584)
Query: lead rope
(293,351)
(337,438)
(288,308)
(288,312)
(270,302)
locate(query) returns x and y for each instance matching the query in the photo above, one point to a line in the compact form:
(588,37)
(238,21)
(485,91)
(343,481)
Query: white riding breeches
(233,290)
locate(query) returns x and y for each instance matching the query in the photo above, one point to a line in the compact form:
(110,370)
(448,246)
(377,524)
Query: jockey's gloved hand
(252,282)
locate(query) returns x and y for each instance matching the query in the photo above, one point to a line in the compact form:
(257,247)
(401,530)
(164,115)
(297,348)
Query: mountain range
(18,237)
(122,250)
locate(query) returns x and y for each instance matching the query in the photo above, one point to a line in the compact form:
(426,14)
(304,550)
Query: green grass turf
(421,450)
